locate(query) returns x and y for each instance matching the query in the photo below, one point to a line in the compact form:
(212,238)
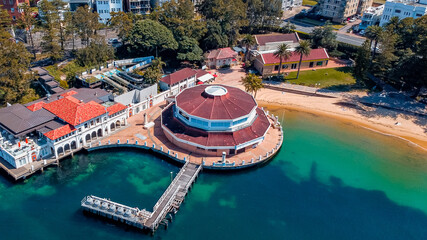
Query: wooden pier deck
(169,202)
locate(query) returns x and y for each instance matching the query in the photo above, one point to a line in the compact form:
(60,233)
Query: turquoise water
(330,180)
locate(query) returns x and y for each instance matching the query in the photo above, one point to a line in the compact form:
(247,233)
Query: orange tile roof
(222,53)
(36,106)
(115,108)
(59,132)
(72,92)
(73,111)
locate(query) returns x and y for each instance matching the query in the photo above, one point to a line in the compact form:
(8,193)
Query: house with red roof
(57,125)
(179,80)
(267,63)
(221,57)
(270,42)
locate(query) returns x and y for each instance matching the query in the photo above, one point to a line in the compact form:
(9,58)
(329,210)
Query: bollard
(223,156)
(176,155)
(109,142)
(169,152)
(44,162)
(234,164)
(118,141)
(154,146)
(136,142)
(32,168)
(185,159)
(145,143)
(243,162)
(259,158)
(127,141)
(99,143)
(90,145)
(252,160)
(161,148)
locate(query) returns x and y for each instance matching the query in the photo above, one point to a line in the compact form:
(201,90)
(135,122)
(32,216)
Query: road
(341,37)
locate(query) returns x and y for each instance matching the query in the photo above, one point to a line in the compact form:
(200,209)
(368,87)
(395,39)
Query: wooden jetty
(169,202)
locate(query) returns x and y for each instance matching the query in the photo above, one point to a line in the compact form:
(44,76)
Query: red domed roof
(215,102)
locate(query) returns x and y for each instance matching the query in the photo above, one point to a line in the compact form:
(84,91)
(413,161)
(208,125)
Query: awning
(205,77)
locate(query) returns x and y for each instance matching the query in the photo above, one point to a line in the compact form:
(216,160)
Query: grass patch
(338,26)
(67,71)
(380,1)
(328,78)
(309,2)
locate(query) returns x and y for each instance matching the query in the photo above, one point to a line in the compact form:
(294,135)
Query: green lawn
(328,78)
(309,2)
(380,1)
(310,21)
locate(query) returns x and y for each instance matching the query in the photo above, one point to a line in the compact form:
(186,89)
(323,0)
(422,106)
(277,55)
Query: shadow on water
(316,210)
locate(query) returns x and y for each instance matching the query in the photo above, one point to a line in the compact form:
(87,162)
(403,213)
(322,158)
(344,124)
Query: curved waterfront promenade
(135,136)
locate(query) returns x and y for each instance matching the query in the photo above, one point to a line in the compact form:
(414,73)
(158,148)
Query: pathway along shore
(389,122)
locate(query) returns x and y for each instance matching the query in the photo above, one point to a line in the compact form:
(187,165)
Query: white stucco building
(289,4)
(403,9)
(372,16)
(105,7)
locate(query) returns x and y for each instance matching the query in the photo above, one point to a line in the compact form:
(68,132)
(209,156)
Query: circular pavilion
(215,119)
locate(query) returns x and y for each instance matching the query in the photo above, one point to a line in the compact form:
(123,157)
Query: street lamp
(171,176)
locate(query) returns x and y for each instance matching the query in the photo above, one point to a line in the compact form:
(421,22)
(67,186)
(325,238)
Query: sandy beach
(392,123)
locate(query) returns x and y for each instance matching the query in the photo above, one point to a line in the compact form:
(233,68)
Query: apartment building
(372,16)
(137,6)
(341,10)
(12,7)
(105,7)
(289,4)
(403,9)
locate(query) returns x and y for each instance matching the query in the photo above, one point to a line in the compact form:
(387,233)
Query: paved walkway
(156,136)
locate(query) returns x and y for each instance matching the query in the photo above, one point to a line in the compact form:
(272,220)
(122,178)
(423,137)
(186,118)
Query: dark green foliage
(348,49)
(189,50)
(94,54)
(324,37)
(362,63)
(150,37)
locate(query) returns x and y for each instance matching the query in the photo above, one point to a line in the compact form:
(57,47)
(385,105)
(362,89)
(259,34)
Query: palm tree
(158,63)
(282,53)
(303,49)
(252,83)
(248,40)
(374,34)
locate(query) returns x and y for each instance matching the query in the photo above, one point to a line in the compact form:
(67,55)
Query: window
(80,129)
(200,122)
(418,14)
(397,11)
(294,66)
(240,121)
(220,124)
(85,125)
(97,120)
(311,64)
(284,66)
(319,63)
(276,68)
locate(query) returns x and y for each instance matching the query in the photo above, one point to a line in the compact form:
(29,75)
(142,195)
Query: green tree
(15,79)
(374,33)
(230,15)
(384,61)
(70,27)
(86,23)
(148,36)
(97,52)
(189,50)
(50,18)
(157,63)
(152,75)
(282,53)
(28,21)
(248,41)
(215,37)
(362,62)
(263,14)
(252,83)
(303,50)
(122,22)
(288,28)
(324,37)
(180,17)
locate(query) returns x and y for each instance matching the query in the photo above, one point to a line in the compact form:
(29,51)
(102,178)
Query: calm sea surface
(330,180)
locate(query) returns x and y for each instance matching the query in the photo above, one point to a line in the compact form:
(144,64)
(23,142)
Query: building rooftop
(234,103)
(115,108)
(184,132)
(222,53)
(84,94)
(20,120)
(60,132)
(73,111)
(276,37)
(178,76)
(315,54)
